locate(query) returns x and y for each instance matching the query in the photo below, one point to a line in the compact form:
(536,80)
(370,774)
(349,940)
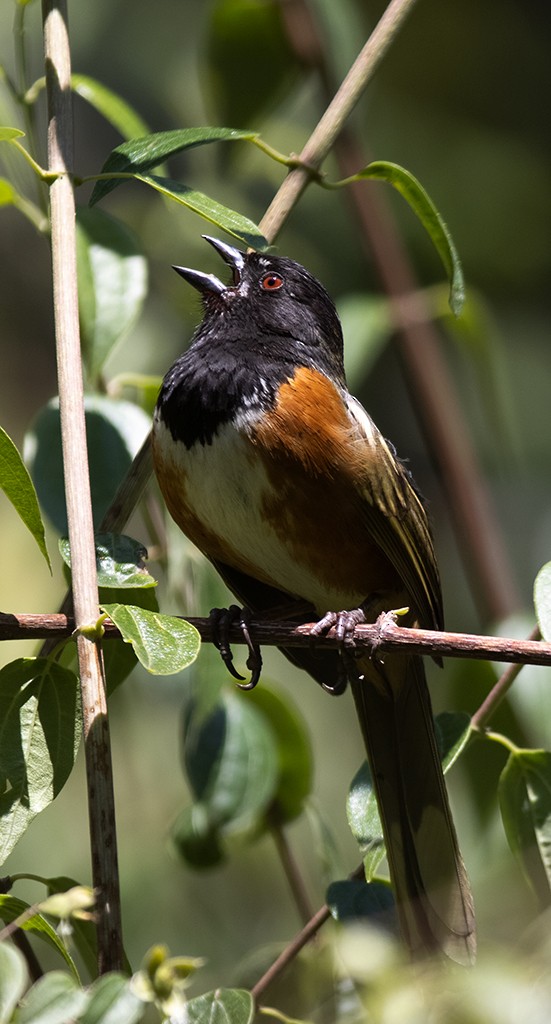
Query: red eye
(271,282)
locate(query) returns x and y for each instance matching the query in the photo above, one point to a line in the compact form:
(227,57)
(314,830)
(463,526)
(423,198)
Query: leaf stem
(77,485)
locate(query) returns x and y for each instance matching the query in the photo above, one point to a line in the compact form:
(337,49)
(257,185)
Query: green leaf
(112,1001)
(141,388)
(351,899)
(11,909)
(83,931)
(119,561)
(224,1006)
(525,802)
(8,195)
(139,155)
(240,227)
(54,999)
(364,820)
(13,980)
(294,754)
(542,600)
(112,276)
(249,60)
(39,739)
(453,732)
(7,134)
(112,107)
(232,764)
(115,431)
(422,205)
(18,488)
(162,643)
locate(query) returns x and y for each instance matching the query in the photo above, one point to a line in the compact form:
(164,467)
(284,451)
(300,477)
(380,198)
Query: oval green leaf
(119,561)
(112,107)
(364,820)
(11,909)
(163,644)
(542,600)
(231,761)
(525,803)
(55,998)
(7,134)
(13,980)
(453,732)
(422,205)
(240,227)
(112,284)
(39,738)
(18,487)
(115,431)
(139,155)
(112,1001)
(224,1006)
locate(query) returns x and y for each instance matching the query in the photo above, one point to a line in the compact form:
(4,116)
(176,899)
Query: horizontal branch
(384,635)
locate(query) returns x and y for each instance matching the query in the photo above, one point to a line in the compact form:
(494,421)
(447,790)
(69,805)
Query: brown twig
(292,873)
(383,636)
(482,716)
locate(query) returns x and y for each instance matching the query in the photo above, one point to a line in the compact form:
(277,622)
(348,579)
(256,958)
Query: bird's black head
(271,305)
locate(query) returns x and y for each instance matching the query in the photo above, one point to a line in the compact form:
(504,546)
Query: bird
(281,478)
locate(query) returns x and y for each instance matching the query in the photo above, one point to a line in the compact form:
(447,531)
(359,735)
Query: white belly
(225,485)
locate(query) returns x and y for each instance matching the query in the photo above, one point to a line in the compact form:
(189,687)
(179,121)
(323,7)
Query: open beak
(209,282)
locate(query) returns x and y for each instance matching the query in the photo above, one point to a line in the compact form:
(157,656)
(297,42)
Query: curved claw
(221,619)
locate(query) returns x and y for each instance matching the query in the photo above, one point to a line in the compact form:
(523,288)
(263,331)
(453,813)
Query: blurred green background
(461,101)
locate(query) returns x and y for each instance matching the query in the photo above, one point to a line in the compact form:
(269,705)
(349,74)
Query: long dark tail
(432,891)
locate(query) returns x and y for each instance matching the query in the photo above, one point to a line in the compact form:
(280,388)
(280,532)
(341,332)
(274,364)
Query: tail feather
(432,891)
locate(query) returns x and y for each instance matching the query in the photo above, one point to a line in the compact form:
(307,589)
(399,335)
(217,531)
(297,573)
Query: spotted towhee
(281,478)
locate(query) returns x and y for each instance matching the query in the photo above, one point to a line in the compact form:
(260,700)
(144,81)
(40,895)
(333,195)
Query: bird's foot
(345,623)
(221,619)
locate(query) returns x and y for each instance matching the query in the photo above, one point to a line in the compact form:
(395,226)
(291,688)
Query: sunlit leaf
(19,489)
(55,998)
(163,644)
(13,980)
(112,1000)
(525,803)
(112,107)
(139,155)
(13,909)
(422,205)
(112,281)
(364,820)
(224,1006)
(7,134)
(119,561)
(542,600)
(39,738)
(453,732)
(8,194)
(243,229)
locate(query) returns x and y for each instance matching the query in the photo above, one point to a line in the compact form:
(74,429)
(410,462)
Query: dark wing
(397,520)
